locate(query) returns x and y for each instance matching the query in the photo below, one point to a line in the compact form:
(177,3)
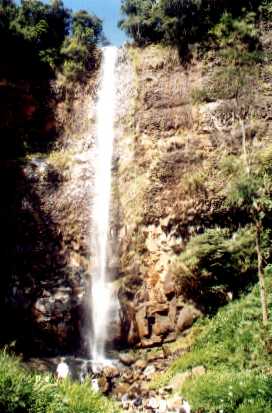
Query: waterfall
(101,294)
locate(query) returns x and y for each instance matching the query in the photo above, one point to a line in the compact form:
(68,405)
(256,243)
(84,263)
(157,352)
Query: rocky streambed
(131,379)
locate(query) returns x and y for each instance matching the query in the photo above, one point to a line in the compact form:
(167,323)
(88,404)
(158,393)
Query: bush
(215,263)
(22,392)
(189,21)
(236,351)
(231,392)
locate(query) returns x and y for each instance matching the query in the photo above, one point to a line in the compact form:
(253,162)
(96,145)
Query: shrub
(22,392)
(231,392)
(235,349)
(215,263)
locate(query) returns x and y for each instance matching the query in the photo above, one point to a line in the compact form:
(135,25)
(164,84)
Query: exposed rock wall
(45,293)
(166,188)
(169,186)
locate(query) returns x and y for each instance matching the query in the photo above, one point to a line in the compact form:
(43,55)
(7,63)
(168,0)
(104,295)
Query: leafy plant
(23,392)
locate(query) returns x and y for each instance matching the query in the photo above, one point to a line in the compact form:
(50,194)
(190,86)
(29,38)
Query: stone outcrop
(169,188)
(166,189)
(45,296)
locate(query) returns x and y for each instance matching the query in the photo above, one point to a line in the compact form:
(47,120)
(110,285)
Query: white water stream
(101,294)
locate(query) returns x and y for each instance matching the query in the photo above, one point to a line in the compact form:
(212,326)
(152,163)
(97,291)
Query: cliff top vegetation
(186,22)
(40,43)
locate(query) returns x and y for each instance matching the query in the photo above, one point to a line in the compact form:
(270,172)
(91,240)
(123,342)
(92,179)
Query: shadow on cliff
(33,266)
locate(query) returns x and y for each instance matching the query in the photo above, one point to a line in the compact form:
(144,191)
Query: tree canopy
(181,22)
(37,34)
(38,42)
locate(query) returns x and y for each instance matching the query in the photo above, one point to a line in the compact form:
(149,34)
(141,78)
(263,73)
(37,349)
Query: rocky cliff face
(49,247)
(167,188)
(169,183)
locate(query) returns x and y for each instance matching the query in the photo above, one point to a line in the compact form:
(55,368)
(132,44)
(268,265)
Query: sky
(108,11)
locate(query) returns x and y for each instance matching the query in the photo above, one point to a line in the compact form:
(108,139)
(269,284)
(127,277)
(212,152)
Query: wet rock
(111,372)
(137,402)
(103,384)
(127,359)
(128,323)
(155,308)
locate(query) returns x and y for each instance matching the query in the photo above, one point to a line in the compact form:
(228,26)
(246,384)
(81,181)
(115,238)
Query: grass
(236,351)
(24,392)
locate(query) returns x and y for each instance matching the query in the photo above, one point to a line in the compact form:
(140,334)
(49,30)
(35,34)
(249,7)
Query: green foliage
(46,28)
(251,191)
(235,78)
(215,263)
(236,351)
(143,20)
(21,392)
(78,50)
(232,32)
(40,40)
(184,22)
(232,392)
(266,9)
(223,260)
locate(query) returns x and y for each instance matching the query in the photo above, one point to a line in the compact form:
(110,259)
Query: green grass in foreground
(22,392)
(236,351)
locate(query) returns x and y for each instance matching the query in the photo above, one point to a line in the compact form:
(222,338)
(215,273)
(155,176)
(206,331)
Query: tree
(143,22)
(250,190)
(78,49)
(86,27)
(178,22)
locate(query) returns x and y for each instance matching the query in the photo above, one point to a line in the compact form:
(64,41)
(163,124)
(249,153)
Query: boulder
(128,376)
(173,310)
(151,341)
(155,308)
(186,318)
(121,389)
(158,355)
(169,286)
(142,322)
(141,364)
(162,325)
(127,359)
(179,379)
(170,338)
(111,372)
(149,370)
(103,384)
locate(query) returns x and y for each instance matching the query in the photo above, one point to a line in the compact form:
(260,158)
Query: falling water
(101,292)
